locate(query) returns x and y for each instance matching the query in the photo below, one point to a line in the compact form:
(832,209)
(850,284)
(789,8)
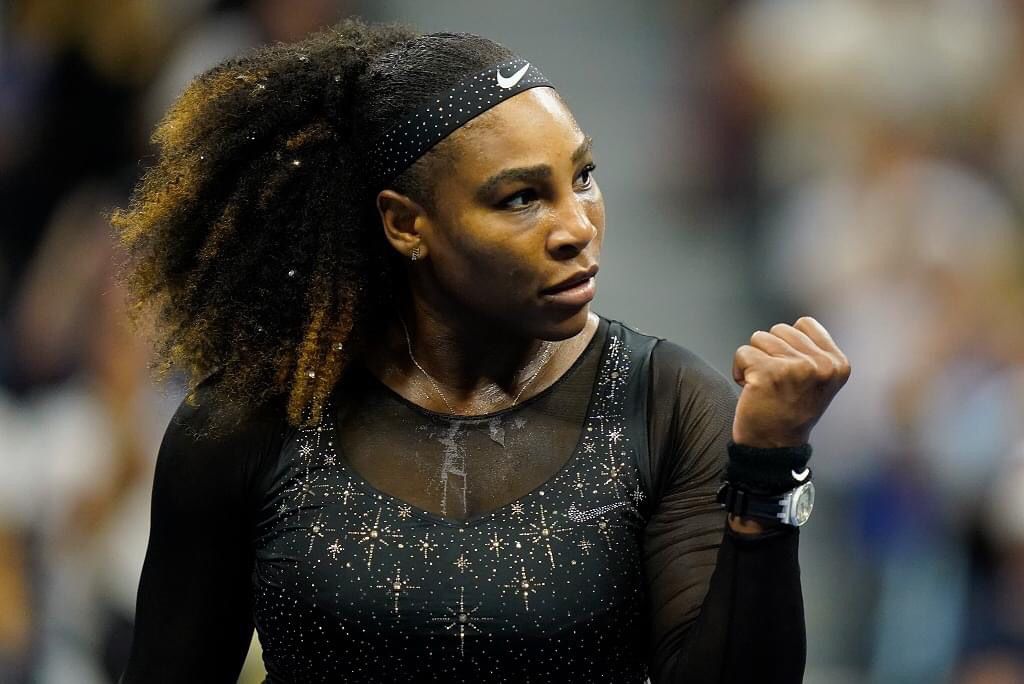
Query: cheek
(500,259)
(595,211)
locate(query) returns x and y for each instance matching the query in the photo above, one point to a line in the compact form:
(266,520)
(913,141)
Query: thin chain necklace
(408,343)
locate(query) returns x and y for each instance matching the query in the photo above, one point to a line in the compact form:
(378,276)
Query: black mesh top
(573,537)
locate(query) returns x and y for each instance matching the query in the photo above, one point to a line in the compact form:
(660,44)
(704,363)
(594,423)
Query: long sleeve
(724,608)
(194,609)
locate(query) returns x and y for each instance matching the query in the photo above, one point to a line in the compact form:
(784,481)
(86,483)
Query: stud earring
(415,253)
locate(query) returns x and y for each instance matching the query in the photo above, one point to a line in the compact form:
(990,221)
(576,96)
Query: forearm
(751,626)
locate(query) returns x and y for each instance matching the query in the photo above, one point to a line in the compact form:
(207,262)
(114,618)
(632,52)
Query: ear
(403,219)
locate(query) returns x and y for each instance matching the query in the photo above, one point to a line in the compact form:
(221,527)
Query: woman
(415,453)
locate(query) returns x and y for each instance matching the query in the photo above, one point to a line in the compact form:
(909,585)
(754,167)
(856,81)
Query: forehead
(532,127)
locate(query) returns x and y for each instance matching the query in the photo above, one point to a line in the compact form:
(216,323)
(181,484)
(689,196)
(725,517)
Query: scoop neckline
(577,362)
(481,518)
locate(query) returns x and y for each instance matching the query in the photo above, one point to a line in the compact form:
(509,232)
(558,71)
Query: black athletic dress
(573,537)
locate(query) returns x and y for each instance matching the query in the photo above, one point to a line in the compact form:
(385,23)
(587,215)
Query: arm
(726,605)
(194,613)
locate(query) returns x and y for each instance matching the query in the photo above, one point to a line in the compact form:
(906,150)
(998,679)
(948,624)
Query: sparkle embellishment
(524,585)
(305,488)
(638,495)
(374,536)
(577,515)
(604,530)
(317,530)
(613,470)
(462,562)
(551,548)
(426,546)
(579,485)
(495,544)
(462,619)
(543,533)
(410,138)
(396,585)
(349,492)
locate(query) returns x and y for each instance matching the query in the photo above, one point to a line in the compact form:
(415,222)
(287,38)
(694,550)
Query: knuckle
(805,369)
(778,327)
(825,372)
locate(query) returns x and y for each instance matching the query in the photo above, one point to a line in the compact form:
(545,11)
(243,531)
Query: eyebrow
(529,173)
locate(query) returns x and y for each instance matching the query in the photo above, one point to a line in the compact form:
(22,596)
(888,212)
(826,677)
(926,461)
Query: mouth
(574,291)
(572,281)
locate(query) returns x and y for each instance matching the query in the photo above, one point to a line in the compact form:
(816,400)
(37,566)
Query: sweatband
(411,138)
(761,470)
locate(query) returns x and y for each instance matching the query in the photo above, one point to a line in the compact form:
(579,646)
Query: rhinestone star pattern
(353,584)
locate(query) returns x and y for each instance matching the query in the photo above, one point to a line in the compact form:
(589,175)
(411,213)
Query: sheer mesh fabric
(463,467)
(710,597)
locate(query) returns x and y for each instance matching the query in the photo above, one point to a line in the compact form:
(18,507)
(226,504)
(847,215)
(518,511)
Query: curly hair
(253,249)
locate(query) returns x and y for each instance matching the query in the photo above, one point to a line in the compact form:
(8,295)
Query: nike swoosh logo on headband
(800,477)
(510,81)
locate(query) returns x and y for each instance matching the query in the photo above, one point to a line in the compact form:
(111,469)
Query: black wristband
(767,470)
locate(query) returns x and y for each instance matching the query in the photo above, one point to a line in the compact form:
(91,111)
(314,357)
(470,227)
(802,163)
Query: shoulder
(220,439)
(678,365)
(671,359)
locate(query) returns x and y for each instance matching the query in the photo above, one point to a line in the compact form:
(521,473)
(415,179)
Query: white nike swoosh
(577,515)
(509,81)
(800,477)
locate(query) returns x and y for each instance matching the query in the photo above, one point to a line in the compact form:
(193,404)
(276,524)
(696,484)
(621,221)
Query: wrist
(767,470)
(774,440)
(751,527)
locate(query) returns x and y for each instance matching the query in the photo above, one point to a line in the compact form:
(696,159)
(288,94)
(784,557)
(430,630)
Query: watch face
(804,504)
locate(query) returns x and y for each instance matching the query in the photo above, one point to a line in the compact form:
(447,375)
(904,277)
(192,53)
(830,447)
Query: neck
(477,365)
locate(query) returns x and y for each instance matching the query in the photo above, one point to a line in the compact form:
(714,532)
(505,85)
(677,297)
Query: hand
(789,376)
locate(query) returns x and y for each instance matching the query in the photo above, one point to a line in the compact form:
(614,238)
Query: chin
(567,325)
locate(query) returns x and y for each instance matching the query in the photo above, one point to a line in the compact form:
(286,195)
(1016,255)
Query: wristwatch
(792,507)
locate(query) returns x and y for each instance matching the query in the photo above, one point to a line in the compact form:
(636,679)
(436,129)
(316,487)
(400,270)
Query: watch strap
(744,503)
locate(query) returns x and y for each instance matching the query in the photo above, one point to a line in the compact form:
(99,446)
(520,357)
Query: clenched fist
(789,376)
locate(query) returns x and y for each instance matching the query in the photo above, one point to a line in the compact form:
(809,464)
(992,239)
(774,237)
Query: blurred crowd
(869,154)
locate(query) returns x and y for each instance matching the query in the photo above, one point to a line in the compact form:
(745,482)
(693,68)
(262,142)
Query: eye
(585,175)
(513,201)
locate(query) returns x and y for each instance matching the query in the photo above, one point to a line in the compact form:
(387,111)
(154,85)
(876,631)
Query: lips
(572,280)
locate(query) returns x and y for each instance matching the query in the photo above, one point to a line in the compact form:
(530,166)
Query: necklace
(547,357)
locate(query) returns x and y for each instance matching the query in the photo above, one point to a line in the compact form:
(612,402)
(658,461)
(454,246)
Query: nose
(573,229)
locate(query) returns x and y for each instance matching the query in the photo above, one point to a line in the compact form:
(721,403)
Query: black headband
(396,150)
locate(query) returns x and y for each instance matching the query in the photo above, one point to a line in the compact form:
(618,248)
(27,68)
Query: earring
(415,253)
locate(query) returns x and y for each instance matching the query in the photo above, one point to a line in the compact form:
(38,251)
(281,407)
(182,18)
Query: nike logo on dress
(800,477)
(577,515)
(509,81)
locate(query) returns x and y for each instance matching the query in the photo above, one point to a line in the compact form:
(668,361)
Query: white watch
(791,508)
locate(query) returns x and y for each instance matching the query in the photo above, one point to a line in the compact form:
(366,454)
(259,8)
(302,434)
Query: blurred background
(859,161)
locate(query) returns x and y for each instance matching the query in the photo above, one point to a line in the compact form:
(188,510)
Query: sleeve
(193,617)
(724,607)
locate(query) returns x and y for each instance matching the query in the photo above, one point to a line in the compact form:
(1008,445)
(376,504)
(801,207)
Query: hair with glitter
(253,249)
